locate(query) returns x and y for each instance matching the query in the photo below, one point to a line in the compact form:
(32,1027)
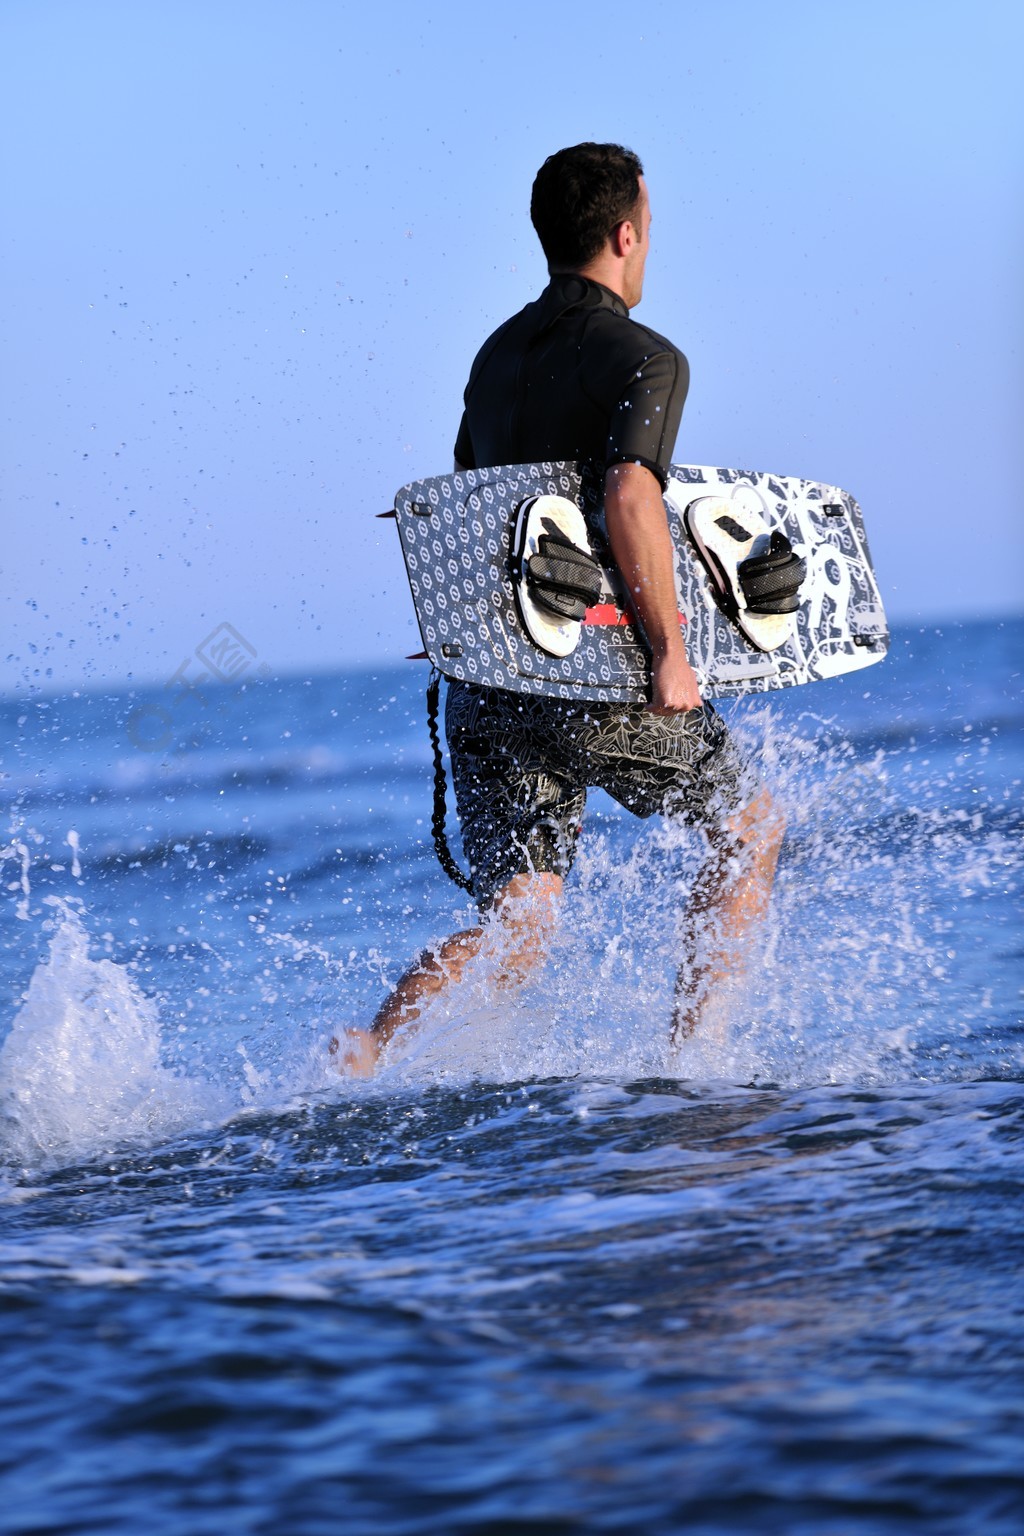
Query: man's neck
(606,270)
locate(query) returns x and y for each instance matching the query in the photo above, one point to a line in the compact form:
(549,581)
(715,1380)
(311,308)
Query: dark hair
(579,196)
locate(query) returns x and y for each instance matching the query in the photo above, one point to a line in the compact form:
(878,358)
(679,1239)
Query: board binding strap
(755,574)
(555,577)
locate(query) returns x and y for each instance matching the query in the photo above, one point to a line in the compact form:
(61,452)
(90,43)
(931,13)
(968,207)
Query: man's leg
(687,764)
(521,918)
(728,901)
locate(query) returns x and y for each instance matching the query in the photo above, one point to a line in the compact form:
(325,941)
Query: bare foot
(356,1052)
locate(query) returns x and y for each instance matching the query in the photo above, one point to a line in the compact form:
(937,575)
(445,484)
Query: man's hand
(673,685)
(642,545)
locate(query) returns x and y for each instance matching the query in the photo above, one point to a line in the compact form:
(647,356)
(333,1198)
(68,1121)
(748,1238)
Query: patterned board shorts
(521,765)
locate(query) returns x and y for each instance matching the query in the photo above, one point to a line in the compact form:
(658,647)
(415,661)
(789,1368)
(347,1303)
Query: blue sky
(251,250)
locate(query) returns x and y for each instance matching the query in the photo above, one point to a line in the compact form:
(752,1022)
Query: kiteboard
(515,587)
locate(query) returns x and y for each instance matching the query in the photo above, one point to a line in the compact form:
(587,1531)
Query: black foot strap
(563,578)
(441,848)
(771,581)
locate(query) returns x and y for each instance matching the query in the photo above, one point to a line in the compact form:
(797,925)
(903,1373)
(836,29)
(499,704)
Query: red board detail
(607,613)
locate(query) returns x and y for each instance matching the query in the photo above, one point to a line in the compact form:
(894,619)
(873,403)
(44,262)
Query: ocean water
(542,1274)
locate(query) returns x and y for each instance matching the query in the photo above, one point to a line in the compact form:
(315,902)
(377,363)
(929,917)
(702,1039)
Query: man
(573,377)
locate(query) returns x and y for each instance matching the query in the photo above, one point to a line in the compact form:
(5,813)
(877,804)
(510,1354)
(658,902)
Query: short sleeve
(645,420)
(464,446)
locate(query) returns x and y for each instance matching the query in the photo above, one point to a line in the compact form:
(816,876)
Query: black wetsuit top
(573,377)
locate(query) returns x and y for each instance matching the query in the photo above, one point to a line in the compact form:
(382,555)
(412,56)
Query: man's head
(587,201)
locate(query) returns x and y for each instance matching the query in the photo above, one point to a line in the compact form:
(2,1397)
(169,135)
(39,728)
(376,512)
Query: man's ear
(623,238)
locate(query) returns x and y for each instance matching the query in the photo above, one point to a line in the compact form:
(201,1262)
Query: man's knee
(525,910)
(758,827)
(529,900)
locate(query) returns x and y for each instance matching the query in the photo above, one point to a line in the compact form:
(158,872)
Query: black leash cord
(441,848)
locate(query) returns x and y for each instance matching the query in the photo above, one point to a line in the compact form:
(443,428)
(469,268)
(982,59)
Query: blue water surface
(543,1273)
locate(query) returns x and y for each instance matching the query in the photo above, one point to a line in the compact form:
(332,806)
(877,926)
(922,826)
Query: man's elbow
(630,484)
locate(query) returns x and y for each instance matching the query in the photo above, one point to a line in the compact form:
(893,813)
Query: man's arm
(642,545)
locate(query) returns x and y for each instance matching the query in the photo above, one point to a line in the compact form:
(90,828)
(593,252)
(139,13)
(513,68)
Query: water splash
(17,851)
(81,1069)
(859,976)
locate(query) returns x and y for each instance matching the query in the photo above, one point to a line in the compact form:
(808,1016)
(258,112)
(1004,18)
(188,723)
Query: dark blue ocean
(541,1275)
